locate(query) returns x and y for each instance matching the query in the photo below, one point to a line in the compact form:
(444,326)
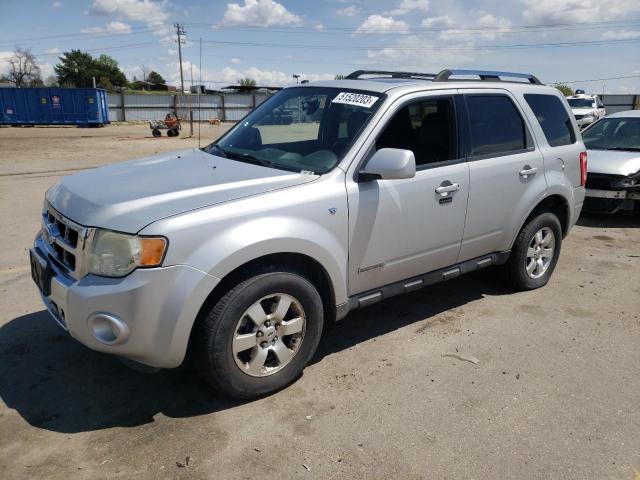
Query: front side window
(300,129)
(614,134)
(426,127)
(553,118)
(495,126)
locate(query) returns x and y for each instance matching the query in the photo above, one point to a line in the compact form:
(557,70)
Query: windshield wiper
(243,157)
(209,149)
(246,157)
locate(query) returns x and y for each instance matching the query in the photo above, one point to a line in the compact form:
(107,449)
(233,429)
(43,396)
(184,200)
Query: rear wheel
(260,335)
(535,253)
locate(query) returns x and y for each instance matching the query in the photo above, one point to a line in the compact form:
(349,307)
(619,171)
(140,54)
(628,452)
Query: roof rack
(445,75)
(485,76)
(359,73)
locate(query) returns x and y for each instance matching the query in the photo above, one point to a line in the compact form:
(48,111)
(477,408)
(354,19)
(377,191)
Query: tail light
(583,169)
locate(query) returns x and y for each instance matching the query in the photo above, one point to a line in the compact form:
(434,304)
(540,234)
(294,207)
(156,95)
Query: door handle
(446,187)
(528,170)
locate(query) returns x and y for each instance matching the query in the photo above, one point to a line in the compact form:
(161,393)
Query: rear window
(495,125)
(553,118)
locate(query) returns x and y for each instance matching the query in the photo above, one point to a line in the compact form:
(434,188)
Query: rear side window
(495,126)
(553,119)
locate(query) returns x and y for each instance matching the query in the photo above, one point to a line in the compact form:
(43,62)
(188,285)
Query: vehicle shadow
(57,384)
(617,220)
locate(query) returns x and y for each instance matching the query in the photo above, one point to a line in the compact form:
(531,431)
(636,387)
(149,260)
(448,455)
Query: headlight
(115,254)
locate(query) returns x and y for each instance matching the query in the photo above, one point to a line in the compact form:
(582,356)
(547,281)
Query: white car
(613,171)
(586,108)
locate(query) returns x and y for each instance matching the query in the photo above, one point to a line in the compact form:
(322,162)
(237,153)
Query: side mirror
(389,164)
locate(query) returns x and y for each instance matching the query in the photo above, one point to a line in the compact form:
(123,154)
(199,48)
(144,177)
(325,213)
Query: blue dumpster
(54,106)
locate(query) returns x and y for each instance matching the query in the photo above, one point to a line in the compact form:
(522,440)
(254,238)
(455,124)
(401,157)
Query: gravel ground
(554,395)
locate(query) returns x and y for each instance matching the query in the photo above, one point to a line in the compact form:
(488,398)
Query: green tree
(247,82)
(339,76)
(565,89)
(109,73)
(155,77)
(75,68)
(78,68)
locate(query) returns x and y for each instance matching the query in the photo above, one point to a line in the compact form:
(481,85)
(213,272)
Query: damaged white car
(613,179)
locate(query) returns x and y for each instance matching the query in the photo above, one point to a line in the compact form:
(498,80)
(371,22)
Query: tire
(176,132)
(156,133)
(254,369)
(170,133)
(530,269)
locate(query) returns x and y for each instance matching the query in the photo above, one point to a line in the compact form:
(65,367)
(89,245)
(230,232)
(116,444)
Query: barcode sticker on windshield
(358,99)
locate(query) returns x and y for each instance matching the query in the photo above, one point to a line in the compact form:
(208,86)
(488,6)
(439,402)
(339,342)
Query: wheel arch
(556,204)
(300,263)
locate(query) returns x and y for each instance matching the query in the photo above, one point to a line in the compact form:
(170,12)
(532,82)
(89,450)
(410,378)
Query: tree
(51,81)
(75,68)
(23,69)
(565,89)
(247,82)
(109,73)
(78,68)
(339,76)
(155,77)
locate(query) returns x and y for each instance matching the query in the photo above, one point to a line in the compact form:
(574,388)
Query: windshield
(613,134)
(581,102)
(300,129)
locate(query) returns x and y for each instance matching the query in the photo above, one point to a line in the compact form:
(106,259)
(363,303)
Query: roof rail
(485,76)
(358,73)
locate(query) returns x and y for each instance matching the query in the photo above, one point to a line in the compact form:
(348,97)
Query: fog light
(108,329)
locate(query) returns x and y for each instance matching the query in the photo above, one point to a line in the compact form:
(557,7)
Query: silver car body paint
(363,234)
(614,162)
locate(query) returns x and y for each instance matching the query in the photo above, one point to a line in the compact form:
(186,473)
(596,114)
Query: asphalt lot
(555,393)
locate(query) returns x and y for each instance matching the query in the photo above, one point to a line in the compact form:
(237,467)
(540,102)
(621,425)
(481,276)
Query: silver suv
(381,184)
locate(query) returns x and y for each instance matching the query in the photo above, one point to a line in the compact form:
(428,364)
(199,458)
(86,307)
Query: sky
(269,40)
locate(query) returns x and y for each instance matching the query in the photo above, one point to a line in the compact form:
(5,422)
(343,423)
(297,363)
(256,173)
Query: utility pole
(180,31)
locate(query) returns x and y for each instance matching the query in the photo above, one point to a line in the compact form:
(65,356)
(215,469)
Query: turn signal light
(151,251)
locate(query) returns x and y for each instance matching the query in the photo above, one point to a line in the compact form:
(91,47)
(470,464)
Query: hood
(128,196)
(583,111)
(614,162)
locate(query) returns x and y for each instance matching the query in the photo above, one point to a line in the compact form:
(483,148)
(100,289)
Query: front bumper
(617,194)
(157,307)
(611,201)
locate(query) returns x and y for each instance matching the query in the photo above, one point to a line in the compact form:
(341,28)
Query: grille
(602,181)
(64,241)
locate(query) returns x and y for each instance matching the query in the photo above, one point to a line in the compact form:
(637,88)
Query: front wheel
(535,253)
(260,335)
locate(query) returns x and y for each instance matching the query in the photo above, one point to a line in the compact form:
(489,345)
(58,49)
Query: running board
(376,295)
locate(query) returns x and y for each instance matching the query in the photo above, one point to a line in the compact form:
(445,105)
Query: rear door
(506,171)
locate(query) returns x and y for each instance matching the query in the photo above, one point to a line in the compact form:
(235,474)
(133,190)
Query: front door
(403,228)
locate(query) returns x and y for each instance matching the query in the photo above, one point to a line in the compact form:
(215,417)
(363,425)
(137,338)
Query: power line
(597,79)
(425,49)
(340,30)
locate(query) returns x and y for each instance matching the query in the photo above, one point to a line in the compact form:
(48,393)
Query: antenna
(199,92)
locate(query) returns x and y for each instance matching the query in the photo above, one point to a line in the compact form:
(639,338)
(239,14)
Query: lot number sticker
(357,99)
